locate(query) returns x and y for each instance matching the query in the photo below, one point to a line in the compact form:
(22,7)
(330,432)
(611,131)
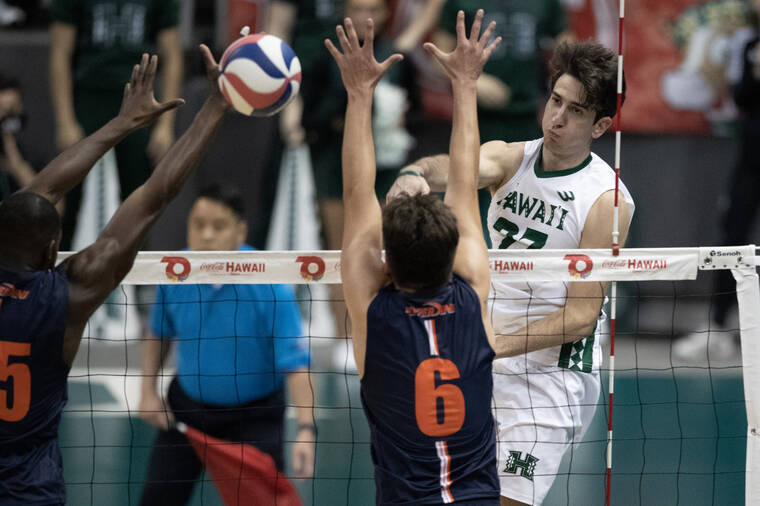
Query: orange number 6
(22,381)
(426,396)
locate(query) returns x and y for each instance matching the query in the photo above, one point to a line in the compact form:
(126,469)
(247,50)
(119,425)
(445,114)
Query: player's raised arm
(463,66)
(97,270)
(139,109)
(361,264)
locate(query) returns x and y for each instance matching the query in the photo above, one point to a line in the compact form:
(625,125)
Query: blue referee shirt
(234,343)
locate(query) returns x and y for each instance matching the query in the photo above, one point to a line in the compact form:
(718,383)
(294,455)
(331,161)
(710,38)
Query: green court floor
(680,439)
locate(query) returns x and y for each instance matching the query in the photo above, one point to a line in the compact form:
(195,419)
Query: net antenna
(615,247)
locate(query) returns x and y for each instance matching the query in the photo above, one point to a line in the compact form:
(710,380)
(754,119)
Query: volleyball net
(684,432)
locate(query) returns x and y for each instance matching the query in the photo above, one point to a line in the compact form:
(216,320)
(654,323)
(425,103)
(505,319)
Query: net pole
(615,251)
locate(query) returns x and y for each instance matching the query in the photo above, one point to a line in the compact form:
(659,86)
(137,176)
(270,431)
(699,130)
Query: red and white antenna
(615,249)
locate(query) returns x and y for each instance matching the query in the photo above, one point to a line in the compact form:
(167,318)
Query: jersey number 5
(22,381)
(440,409)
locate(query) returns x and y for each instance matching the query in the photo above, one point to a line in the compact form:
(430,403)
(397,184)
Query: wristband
(409,172)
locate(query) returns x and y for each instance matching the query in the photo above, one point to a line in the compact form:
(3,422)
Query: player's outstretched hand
(358,68)
(467,59)
(139,107)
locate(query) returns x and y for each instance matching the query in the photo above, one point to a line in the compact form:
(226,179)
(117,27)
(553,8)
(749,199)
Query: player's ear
(601,126)
(241,232)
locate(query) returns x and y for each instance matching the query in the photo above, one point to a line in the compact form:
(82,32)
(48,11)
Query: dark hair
(28,222)
(9,83)
(228,195)
(420,237)
(596,67)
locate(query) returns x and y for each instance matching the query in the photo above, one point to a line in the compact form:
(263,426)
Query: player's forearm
(435,170)
(154,352)
(358,154)
(61,86)
(301,396)
(170,52)
(71,167)
(563,326)
(465,138)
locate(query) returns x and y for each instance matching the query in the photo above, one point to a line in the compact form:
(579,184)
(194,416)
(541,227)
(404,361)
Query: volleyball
(259,74)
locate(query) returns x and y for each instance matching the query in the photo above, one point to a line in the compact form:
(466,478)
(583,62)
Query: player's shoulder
(504,157)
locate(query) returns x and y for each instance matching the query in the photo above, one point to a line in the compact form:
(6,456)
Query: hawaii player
(554,193)
(44,309)
(422,340)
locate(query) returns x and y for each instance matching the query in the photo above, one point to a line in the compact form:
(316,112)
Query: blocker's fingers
(369,35)
(460,26)
(150,74)
(475,30)
(353,38)
(390,61)
(345,45)
(433,50)
(133,77)
(487,34)
(332,49)
(493,45)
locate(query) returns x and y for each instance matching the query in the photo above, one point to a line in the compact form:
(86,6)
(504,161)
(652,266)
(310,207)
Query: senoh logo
(430,309)
(580,266)
(177,268)
(312,268)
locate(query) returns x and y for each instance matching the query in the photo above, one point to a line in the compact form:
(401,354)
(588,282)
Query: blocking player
(43,308)
(422,339)
(551,192)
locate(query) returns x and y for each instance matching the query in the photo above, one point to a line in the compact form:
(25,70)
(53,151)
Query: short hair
(225,194)
(28,222)
(596,67)
(9,83)
(420,237)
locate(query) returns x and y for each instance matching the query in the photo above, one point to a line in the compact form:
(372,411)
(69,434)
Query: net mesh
(680,425)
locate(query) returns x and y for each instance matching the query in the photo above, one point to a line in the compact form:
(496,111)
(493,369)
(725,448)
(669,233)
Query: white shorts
(540,411)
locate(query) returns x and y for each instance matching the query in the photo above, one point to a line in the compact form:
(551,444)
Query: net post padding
(748,296)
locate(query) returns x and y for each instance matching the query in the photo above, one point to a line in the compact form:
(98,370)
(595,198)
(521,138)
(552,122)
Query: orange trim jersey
(426,392)
(33,310)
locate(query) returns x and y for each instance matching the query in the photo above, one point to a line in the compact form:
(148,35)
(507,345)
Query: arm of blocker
(361,264)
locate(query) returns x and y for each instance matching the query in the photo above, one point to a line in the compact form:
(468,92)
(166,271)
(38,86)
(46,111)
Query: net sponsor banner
(299,267)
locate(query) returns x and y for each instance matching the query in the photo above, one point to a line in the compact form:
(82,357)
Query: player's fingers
(345,45)
(433,50)
(487,34)
(135,73)
(127,89)
(369,35)
(332,49)
(171,104)
(460,26)
(150,74)
(390,61)
(493,45)
(475,30)
(208,58)
(353,38)
(143,68)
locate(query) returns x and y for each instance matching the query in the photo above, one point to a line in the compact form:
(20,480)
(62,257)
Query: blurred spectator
(10,15)
(94,44)
(16,171)
(239,348)
(719,342)
(512,87)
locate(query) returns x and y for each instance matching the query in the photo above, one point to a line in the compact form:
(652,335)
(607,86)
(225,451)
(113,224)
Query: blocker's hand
(358,68)
(408,184)
(466,61)
(139,106)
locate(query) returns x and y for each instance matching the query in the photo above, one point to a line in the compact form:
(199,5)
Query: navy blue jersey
(426,391)
(33,310)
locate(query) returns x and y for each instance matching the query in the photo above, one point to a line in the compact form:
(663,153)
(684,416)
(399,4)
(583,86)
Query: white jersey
(537,209)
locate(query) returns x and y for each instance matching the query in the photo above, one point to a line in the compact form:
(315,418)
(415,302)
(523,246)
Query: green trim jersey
(538,209)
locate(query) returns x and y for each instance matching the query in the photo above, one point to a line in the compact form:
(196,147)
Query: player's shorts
(540,411)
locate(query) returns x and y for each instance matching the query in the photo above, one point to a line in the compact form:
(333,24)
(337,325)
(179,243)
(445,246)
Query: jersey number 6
(22,381)
(440,409)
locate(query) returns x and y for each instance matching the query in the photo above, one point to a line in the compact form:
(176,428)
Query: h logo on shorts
(526,467)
